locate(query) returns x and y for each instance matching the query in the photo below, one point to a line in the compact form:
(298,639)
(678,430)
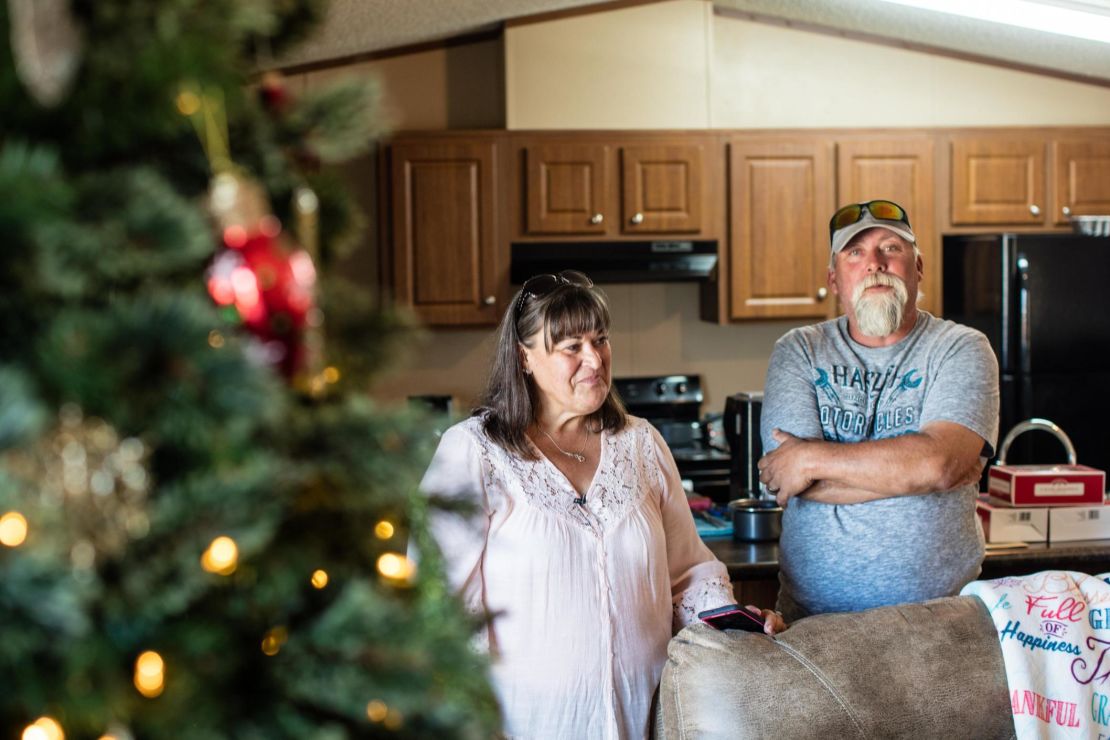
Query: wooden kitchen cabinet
(1038,178)
(1081,170)
(613,188)
(661,188)
(567,189)
(781,199)
(898,168)
(998,180)
(446,261)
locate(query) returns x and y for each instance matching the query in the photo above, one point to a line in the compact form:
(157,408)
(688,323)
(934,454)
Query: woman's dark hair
(511,399)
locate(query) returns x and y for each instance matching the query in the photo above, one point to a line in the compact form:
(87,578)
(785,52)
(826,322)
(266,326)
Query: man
(878,425)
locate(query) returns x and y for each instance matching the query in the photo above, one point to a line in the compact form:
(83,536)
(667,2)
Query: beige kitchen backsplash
(656,330)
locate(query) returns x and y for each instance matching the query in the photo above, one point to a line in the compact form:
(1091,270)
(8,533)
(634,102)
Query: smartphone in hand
(732,617)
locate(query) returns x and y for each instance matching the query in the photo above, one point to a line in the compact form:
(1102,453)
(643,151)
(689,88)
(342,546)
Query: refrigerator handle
(1024,353)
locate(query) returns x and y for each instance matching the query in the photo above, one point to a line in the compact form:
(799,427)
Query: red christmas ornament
(272,90)
(272,289)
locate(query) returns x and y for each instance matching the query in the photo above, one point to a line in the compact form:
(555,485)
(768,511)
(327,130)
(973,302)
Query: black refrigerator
(1043,300)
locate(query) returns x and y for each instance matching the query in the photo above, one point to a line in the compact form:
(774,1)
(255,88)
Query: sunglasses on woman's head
(538,286)
(883,210)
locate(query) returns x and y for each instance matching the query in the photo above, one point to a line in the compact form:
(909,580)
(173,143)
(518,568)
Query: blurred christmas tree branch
(205,531)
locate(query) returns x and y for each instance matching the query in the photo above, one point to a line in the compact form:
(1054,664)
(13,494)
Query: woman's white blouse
(584,598)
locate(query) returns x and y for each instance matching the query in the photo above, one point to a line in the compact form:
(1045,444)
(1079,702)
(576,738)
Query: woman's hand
(773,622)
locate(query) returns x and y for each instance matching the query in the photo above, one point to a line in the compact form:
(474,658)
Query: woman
(584,550)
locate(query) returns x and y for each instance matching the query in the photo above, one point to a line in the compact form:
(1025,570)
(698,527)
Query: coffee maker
(741,428)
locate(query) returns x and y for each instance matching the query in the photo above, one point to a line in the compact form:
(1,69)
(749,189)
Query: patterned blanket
(1054,629)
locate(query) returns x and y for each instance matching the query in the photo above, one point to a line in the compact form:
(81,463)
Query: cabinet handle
(489,300)
(637,218)
(822,293)
(1067,211)
(596,218)
(1035,209)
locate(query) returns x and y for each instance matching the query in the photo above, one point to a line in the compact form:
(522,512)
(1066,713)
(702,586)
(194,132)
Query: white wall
(771,77)
(641,67)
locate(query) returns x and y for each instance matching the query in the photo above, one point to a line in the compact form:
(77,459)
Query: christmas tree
(205,529)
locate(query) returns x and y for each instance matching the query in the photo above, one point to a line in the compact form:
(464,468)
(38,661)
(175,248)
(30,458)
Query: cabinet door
(1082,178)
(444,249)
(567,188)
(998,181)
(901,170)
(661,189)
(781,201)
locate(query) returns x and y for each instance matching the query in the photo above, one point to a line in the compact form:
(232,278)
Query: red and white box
(1072,523)
(1047,485)
(1003,523)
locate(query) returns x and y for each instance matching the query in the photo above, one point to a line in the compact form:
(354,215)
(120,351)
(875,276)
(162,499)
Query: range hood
(617,262)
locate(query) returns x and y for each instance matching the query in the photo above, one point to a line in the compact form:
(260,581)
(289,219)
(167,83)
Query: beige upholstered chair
(929,670)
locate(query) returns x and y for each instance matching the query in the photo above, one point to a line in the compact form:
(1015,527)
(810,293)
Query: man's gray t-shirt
(823,385)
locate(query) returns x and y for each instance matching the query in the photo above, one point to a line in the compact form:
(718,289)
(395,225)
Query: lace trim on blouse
(624,476)
(703,594)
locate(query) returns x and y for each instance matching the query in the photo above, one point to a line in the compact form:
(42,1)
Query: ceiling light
(1026,14)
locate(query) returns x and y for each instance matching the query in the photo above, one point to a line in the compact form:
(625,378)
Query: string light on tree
(116,732)
(221,557)
(319,578)
(43,728)
(396,567)
(150,674)
(383,530)
(13,529)
(376,710)
(273,640)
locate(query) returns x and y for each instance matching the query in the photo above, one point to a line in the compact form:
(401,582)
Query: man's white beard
(880,314)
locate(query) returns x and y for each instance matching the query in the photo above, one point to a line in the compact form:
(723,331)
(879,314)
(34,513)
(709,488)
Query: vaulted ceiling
(358,27)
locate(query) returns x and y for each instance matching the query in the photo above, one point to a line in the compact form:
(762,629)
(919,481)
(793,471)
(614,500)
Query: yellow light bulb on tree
(13,529)
(396,567)
(221,557)
(274,639)
(43,728)
(376,710)
(150,674)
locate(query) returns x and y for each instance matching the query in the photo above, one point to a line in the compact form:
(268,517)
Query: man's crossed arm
(941,456)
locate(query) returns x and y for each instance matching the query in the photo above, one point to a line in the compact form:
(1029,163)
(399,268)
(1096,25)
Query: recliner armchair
(926,670)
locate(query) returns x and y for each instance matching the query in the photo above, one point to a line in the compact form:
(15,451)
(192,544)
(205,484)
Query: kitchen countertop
(760,560)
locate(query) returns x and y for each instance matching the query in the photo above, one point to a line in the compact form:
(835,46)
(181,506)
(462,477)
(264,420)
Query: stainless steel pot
(755,520)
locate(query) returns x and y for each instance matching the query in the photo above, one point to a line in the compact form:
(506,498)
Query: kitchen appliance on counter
(741,429)
(1042,300)
(755,519)
(672,404)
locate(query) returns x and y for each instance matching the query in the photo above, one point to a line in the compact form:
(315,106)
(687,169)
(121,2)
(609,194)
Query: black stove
(672,404)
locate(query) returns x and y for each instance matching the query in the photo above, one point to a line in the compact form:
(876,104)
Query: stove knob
(681,388)
(661,389)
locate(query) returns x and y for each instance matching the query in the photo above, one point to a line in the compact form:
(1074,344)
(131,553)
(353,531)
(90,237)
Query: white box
(1012,524)
(1071,523)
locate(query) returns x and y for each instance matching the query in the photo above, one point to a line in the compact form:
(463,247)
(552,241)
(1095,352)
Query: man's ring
(772,490)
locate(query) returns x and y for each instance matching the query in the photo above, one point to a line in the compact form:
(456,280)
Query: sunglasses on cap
(883,210)
(538,286)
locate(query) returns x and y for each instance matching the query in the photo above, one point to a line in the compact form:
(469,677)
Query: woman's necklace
(576,455)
